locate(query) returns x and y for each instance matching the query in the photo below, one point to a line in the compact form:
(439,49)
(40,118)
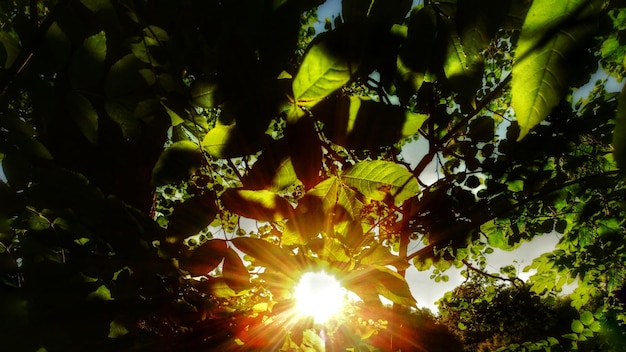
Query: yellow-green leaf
(268,255)
(382,180)
(551,30)
(321,73)
(577,326)
(117,329)
(102,293)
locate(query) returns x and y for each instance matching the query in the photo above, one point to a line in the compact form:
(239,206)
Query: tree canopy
(173,168)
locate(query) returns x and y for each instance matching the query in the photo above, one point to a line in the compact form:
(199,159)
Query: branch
(513,281)
(539,194)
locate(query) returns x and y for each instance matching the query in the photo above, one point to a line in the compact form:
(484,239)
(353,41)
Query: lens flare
(319,295)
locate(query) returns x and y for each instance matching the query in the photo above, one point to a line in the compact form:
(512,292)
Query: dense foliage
(173,167)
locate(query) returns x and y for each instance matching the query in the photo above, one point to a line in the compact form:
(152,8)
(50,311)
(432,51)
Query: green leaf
(619,133)
(201,260)
(190,217)
(577,326)
(227,141)
(312,342)
(102,293)
(260,205)
(464,73)
(596,326)
(386,282)
(84,115)
(268,255)
(380,180)
(87,64)
(205,93)
(586,318)
(335,197)
(323,71)
(333,250)
(178,162)
(12,50)
(380,255)
(116,329)
(551,30)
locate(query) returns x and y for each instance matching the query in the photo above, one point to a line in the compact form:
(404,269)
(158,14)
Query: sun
(319,295)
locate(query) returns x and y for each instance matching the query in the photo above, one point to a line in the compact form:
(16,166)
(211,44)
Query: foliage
(173,167)
(490,316)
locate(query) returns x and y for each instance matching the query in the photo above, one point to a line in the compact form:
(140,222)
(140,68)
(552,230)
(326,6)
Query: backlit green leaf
(391,285)
(577,326)
(268,255)
(382,179)
(321,73)
(312,342)
(102,293)
(586,318)
(334,194)
(552,29)
(84,115)
(380,255)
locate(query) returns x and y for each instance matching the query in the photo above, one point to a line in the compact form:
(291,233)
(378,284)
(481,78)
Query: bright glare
(319,295)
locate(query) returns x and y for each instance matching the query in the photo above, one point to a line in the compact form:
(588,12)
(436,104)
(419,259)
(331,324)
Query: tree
(139,138)
(490,316)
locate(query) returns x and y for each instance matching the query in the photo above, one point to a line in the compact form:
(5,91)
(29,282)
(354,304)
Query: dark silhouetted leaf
(202,260)
(190,217)
(84,114)
(482,129)
(177,163)
(234,271)
(305,151)
(128,76)
(360,123)
(11,50)
(87,63)
(259,205)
